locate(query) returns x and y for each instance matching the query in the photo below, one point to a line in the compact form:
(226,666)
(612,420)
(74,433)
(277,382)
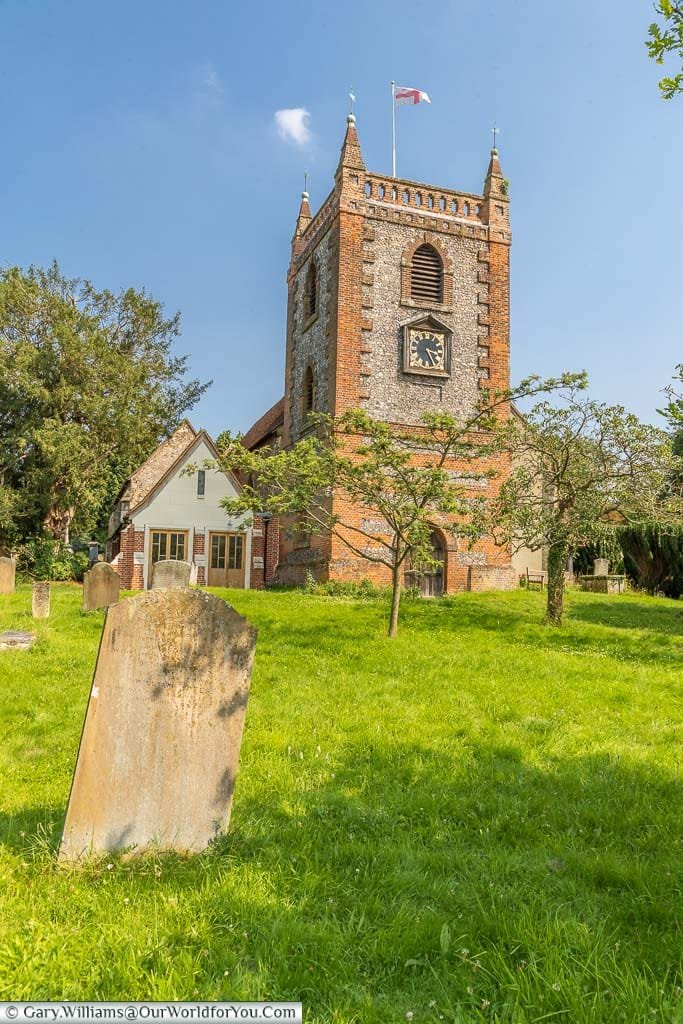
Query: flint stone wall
(163,727)
(400,397)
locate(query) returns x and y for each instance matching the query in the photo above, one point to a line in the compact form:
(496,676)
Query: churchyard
(479,820)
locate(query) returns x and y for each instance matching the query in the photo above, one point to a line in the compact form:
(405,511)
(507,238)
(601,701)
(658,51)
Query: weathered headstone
(41,600)
(601,567)
(100,587)
(7,575)
(171,574)
(163,727)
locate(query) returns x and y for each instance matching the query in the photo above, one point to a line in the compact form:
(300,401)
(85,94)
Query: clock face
(427,350)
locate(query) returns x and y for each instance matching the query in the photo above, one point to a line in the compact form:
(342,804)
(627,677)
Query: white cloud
(292,125)
(211,80)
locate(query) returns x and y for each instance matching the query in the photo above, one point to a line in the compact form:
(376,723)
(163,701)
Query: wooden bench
(535,578)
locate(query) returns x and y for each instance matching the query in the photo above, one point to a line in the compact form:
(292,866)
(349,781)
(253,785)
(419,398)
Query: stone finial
(350,157)
(495,184)
(304,218)
(496,198)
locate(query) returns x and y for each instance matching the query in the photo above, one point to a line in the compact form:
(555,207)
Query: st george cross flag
(412,96)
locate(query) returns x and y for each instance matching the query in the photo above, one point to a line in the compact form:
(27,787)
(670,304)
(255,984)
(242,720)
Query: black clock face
(427,350)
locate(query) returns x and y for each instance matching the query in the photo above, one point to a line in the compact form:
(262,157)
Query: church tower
(398,303)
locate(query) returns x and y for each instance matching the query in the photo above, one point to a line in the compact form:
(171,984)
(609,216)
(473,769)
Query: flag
(412,96)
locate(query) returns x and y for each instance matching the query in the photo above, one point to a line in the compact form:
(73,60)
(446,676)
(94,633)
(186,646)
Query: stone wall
(492,577)
(310,341)
(393,394)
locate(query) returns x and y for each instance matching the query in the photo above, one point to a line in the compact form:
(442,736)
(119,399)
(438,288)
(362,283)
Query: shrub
(45,559)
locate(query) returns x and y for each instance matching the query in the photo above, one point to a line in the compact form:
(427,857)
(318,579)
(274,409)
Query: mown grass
(478,821)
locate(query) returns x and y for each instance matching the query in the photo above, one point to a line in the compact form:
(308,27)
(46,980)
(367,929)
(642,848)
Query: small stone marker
(41,600)
(8,569)
(163,728)
(100,587)
(171,574)
(14,640)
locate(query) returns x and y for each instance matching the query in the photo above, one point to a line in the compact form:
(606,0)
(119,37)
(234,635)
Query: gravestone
(100,587)
(171,574)
(7,575)
(163,727)
(601,567)
(41,600)
(15,640)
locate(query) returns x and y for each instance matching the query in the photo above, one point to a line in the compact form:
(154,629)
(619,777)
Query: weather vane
(494,132)
(352,97)
(306,181)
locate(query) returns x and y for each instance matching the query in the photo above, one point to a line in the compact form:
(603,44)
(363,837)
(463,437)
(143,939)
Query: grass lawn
(478,821)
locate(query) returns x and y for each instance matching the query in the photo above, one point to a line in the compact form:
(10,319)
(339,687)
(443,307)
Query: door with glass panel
(226,559)
(167,544)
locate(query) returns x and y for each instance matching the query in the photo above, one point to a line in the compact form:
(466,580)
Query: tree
(578,466)
(404,479)
(653,556)
(667,39)
(88,386)
(674,410)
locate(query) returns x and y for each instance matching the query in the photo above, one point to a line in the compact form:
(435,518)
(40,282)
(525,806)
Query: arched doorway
(430,578)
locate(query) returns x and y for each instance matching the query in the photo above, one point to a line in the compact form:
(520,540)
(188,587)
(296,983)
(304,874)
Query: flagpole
(393,129)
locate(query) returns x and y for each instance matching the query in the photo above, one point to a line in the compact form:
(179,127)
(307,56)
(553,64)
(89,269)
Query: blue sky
(140,146)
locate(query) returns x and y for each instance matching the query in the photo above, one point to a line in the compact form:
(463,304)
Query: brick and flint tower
(398,303)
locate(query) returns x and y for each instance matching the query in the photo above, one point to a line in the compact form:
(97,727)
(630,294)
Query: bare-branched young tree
(403,480)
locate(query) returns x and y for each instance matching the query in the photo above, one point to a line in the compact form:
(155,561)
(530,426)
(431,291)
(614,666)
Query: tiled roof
(266,425)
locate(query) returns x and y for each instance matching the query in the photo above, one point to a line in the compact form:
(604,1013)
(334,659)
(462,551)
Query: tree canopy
(578,465)
(666,39)
(403,479)
(89,384)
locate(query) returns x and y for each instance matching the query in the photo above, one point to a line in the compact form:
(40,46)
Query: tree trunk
(395,599)
(557,560)
(57,523)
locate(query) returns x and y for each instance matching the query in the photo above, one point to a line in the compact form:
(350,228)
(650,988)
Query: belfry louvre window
(311,292)
(426,275)
(309,392)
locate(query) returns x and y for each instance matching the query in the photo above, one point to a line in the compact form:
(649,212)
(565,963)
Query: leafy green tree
(403,479)
(666,39)
(674,410)
(579,465)
(88,386)
(653,556)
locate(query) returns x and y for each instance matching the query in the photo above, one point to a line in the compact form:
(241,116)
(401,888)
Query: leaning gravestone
(163,728)
(171,574)
(7,575)
(41,600)
(100,587)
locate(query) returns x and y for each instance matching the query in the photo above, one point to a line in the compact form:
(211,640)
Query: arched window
(311,292)
(308,393)
(426,275)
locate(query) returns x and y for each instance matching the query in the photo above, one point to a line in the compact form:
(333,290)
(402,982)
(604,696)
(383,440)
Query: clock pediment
(427,347)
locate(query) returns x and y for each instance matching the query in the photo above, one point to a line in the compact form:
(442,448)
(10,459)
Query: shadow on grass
(341,878)
(35,830)
(657,615)
(656,637)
